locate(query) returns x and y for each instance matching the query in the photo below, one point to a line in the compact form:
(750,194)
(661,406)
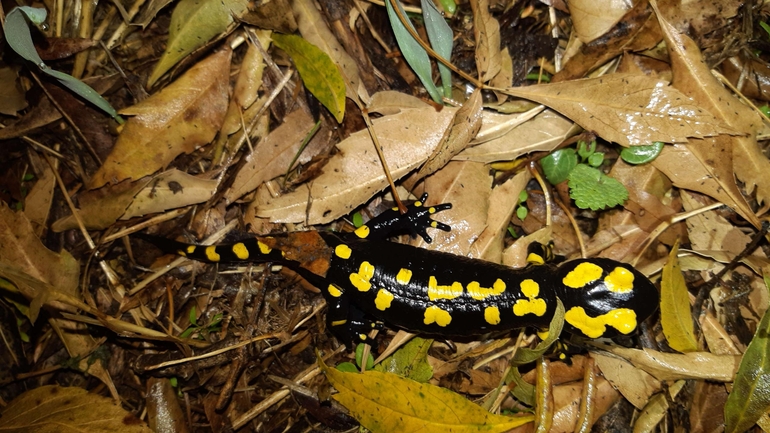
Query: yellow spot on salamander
(342,251)
(531,305)
(492,315)
(190,249)
(431,209)
(434,224)
(434,314)
(479,293)
(622,319)
(362,337)
(543,334)
(361,279)
(211,253)
(620,280)
(181,253)
(418,203)
(241,251)
(362,232)
(263,248)
(443,292)
(334,291)
(583,274)
(404,276)
(383,299)
(535,259)
(339,322)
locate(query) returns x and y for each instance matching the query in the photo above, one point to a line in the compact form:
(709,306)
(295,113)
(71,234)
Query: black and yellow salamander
(367,279)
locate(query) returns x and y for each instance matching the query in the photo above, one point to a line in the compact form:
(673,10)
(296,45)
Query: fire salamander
(367,280)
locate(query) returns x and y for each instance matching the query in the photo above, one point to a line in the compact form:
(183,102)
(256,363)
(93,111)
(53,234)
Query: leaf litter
(231,137)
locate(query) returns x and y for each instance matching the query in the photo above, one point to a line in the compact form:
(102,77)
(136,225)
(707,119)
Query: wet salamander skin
(366,279)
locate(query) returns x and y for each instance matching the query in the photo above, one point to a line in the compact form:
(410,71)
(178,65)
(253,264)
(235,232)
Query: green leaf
(347,367)
(641,154)
(449,6)
(318,72)
(765,26)
(585,150)
(19,38)
(521,212)
(414,54)
(523,196)
(524,392)
(675,314)
(410,361)
(193,316)
(441,40)
(750,397)
(765,109)
(193,24)
(558,165)
(592,189)
(360,356)
(525,355)
(596,159)
(358,220)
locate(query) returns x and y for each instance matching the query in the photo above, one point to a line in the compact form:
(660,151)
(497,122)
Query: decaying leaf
(53,409)
(486,30)
(193,23)
(674,366)
(178,119)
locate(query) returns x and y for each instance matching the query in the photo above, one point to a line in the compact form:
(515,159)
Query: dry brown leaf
(628,109)
(99,209)
(721,156)
(675,366)
(21,248)
(657,408)
(465,125)
(37,204)
(355,174)
(247,85)
(520,136)
(711,231)
(567,402)
(163,410)
(502,204)
(313,28)
(707,412)
(180,118)
(467,185)
(504,78)
(635,385)
(391,102)
(686,171)
(486,31)
(593,18)
(271,157)
(56,409)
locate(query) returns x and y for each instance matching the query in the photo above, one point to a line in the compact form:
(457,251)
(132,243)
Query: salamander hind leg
(347,322)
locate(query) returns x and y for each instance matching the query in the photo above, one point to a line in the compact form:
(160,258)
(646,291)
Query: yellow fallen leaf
(178,119)
(675,316)
(384,402)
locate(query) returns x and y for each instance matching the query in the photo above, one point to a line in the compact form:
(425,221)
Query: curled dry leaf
(464,127)
(593,18)
(675,366)
(178,119)
(486,30)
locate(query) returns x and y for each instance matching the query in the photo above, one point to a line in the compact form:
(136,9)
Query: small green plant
(588,186)
(349,367)
(202,331)
(522,211)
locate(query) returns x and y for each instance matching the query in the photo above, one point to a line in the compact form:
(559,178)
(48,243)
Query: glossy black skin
(411,300)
